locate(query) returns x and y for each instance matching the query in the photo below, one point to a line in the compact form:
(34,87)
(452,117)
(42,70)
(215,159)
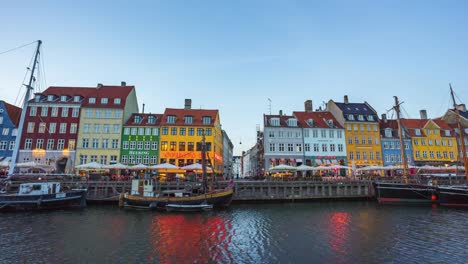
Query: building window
(423,142)
(182,131)
(147,145)
(208,131)
(145,160)
(290,147)
(104,100)
(6,130)
(190,146)
(171,119)
(132,144)
(124,159)
(103,159)
(117,113)
(451,155)
(356,140)
(174,131)
(40,144)
(323,133)
(199,131)
(50,144)
(173,146)
(108,113)
(28,143)
(331,134)
(131,159)
(73,128)
(206,120)
(358,155)
(75,112)
(425,154)
(117,101)
(154,145)
(32,111)
(154,159)
(126,131)
(60,144)
(332,147)
(364,155)
(140,145)
(65,112)
(307,147)
(165,130)
(148,131)
(95,143)
(371,155)
(98,113)
(340,147)
(63,128)
(324,148)
(125,145)
(12,145)
(164,145)
(105,143)
(71,144)
(3,145)
(450,143)
(188,119)
(272,147)
(151,119)
(30,127)
(350,117)
(281,147)
(115,129)
(362,127)
(181,146)
(363,140)
(271,134)
(83,159)
(44,111)
(316,147)
(351,155)
(88,113)
(275,121)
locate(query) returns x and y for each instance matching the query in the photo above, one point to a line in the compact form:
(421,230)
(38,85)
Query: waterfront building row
(67,126)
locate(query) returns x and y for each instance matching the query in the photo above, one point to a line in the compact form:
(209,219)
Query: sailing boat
(194,197)
(407,192)
(457,195)
(37,195)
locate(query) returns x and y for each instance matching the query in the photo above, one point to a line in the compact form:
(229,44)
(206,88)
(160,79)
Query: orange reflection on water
(339,233)
(189,238)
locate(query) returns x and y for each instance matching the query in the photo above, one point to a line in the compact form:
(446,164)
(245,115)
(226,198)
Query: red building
(50,129)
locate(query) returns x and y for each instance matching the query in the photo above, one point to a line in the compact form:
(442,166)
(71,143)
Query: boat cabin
(144,187)
(39,188)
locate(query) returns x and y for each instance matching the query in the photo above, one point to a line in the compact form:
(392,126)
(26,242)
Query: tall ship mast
(461,134)
(23,111)
(400,136)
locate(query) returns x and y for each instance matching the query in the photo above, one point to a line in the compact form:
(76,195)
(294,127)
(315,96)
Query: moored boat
(453,196)
(405,193)
(42,196)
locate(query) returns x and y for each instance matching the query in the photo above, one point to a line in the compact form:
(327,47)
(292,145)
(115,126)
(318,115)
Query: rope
(19,47)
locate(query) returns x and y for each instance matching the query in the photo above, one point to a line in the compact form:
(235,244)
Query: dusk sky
(234,55)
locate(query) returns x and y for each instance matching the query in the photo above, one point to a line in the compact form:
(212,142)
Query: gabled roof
(110,92)
(144,119)
(393,125)
(14,112)
(356,109)
(282,121)
(196,114)
(319,118)
(411,124)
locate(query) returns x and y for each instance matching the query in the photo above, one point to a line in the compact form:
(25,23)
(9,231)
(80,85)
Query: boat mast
(23,112)
(460,134)
(203,153)
(400,136)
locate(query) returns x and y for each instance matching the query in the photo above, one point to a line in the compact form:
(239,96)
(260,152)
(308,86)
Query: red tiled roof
(412,124)
(320,119)
(110,92)
(393,124)
(14,113)
(144,121)
(283,119)
(70,91)
(197,115)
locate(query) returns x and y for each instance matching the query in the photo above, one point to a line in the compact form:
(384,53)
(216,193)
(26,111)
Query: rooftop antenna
(269,105)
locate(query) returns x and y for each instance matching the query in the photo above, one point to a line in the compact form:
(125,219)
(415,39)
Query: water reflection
(189,238)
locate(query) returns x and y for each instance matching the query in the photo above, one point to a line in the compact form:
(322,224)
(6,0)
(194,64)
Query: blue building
(9,120)
(391,151)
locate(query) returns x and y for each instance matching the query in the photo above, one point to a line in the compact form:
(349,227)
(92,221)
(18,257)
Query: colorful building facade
(391,149)
(102,116)
(51,127)
(282,141)
(140,139)
(9,120)
(181,135)
(324,139)
(362,131)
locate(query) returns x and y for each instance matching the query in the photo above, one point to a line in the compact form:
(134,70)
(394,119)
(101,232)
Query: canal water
(314,232)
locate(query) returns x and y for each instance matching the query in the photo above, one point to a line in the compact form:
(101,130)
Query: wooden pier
(108,191)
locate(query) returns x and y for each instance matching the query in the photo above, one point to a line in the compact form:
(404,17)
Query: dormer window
(388,132)
(92,100)
(466,130)
(310,122)
(151,119)
(117,101)
(360,117)
(350,117)
(206,120)
(330,123)
(370,118)
(292,122)
(50,98)
(170,119)
(137,119)
(188,119)
(275,121)
(37,98)
(447,133)
(63,98)
(104,100)
(76,98)
(417,131)
(365,108)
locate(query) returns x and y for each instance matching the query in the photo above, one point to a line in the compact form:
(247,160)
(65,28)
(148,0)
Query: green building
(140,139)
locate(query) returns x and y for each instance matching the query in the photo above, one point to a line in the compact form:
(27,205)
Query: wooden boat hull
(218,199)
(401,193)
(453,196)
(70,199)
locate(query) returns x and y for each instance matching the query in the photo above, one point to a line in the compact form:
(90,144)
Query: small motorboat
(42,196)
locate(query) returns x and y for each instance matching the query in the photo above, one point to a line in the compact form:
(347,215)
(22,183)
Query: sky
(246,57)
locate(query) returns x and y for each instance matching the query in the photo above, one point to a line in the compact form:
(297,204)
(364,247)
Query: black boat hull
(70,199)
(453,196)
(401,193)
(217,199)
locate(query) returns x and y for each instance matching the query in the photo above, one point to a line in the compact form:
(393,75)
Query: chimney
(123,83)
(143,110)
(461,107)
(99,85)
(346,99)
(188,104)
(423,114)
(308,106)
(281,112)
(384,118)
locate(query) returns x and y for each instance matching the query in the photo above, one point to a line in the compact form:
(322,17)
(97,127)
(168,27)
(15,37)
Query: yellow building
(434,141)
(103,114)
(181,133)
(362,131)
